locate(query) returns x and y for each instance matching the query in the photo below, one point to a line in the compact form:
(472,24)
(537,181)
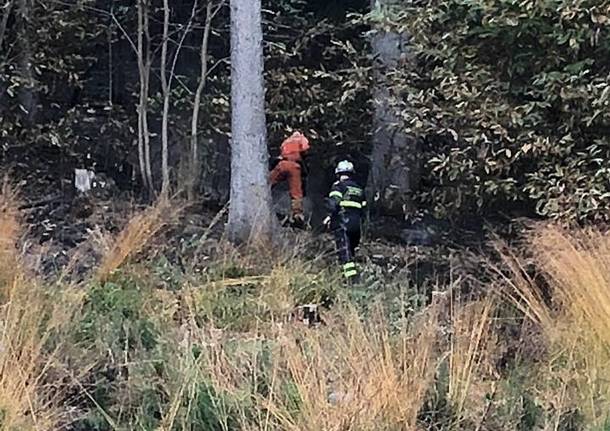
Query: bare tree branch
(210,14)
(116,21)
(110,62)
(28,97)
(139,51)
(181,43)
(147,76)
(218,63)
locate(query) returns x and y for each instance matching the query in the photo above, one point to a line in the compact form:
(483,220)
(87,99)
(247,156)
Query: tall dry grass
(38,371)
(10,230)
(32,321)
(578,268)
(351,375)
(576,322)
(357,375)
(138,232)
(471,347)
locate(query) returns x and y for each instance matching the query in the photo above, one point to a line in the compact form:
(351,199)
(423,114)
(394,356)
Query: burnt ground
(59,221)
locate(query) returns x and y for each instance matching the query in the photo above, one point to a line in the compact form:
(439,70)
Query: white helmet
(344,167)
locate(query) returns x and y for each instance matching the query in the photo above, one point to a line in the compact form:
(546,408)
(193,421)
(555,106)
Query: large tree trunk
(28,99)
(250,214)
(394,158)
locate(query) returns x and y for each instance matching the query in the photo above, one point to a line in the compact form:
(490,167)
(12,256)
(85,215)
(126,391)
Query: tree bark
(250,212)
(147,67)
(28,99)
(4,56)
(141,131)
(394,157)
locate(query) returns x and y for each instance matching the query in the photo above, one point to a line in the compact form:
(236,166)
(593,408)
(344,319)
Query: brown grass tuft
(471,346)
(576,266)
(10,231)
(140,229)
(354,375)
(30,317)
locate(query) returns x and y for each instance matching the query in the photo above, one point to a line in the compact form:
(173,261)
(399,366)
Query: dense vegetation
(141,343)
(519,93)
(508,101)
(127,309)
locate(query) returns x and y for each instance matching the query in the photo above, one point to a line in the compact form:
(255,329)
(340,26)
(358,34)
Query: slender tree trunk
(165,90)
(28,98)
(194,176)
(6,13)
(394,156)
(166,86)
(148,66)
(141,105)
(144,65)
(110,34)
(250,211)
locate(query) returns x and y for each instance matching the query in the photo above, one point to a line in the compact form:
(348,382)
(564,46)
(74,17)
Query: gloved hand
(326,222)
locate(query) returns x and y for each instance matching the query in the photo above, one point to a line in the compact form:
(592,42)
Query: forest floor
(60,221)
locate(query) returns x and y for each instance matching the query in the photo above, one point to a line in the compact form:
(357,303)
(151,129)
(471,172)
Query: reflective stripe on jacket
(346,198)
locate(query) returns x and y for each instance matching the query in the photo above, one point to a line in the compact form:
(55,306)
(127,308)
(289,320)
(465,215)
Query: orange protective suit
(289,169)
(293,148)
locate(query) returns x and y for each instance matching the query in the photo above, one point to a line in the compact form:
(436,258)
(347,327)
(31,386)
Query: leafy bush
(512,100)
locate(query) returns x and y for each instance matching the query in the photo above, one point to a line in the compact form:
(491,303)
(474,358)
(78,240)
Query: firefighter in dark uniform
(346,203)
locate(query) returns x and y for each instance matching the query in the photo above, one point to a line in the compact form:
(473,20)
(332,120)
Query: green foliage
(317,73)
(114,315)
(61,38)
(513,101)
(138,361)
(241,303)
(212,411)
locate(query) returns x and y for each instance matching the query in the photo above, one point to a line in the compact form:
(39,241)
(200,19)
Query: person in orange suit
(290,169)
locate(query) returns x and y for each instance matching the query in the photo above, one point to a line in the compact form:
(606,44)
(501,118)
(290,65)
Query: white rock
(83,179)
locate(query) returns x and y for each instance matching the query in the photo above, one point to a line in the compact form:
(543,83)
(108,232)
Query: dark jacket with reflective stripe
(346,202)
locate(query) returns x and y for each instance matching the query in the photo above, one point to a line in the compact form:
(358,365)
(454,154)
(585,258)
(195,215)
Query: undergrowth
(141,344)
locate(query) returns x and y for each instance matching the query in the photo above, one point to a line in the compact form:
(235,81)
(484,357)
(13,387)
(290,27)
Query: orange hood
(293,147)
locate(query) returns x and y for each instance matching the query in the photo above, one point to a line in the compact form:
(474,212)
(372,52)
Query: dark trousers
(347,240)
